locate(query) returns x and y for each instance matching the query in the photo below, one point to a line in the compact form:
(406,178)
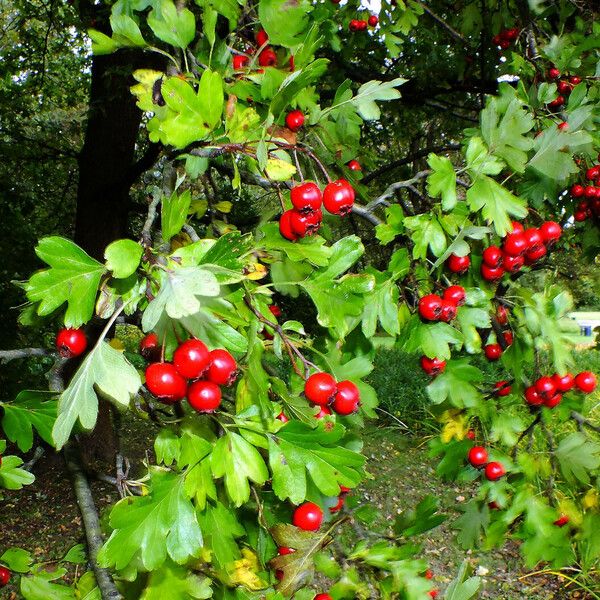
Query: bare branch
(8,355)
(394,187)
(582,421)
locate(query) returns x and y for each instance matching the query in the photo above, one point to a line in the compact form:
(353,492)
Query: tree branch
(455,34)
(581,420)
(8,355)
(394,187)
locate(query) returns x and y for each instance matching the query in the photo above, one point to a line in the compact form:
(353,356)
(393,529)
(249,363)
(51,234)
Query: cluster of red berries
(519,248)
(195,373)
(323,390)
(306,216)
(590,205)
(564,86)
(478,458)
(266,58)
(506,37)
(548,391)
(361,24)
(435,308)
(71,342)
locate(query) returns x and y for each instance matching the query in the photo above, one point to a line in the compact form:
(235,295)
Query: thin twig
(581,420)
(393,188)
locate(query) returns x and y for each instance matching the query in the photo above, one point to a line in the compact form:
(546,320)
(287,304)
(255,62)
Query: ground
(44,517)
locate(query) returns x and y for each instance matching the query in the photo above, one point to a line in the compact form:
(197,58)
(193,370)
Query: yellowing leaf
(117,344)
(590,500)
(224,206)
(245,571)
(256,271)
(279,169)
(455,425)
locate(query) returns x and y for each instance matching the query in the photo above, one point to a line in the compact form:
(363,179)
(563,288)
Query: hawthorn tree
(261,105)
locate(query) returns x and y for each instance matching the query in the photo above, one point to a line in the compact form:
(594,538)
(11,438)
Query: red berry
(223,368)
(580,215)
(285,226)
(470,434)
(240,61)
(304,224)
(494,471)
(308,516)
(283,550)
(323,412)
(502,388)
(149,346)
(512,34)
(455,294)
(434,593)
(4,576)
(323,597)
(536,254)
(561,521)
(478,456)
(337,507)
(502,315)
(71,342)
(491,274)
(517,227)
(534,238)
(354,165)
(515,244)
(589,191)
(504,44)
(294,120)
(204,396)
(428,574)
(430,307)
(563,383)
(532,397)
(344,489)
(545,387)
(448,311)
(346,399)
(574,80)
(550,231)
(267,58)
(191,359)
(564,87)
(320,388)
(513,264)
(492,351)
(292,63)
(432,366)
(338,197)
(261,37)
(163,380)
(553,73)
(493,505)
(354,25)
(585,382)
(577,190)
(275,310)
(563,126)
(592,173)
(554,401)
(306,197)
(492,257)
(282,417)
(373,20)
(458,264)
(508,337)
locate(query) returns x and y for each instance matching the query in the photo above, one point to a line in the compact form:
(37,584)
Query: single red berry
(323,597)
(294,120)
(553,73)
(455,294)
(354,25)
(432,366)
(554,401)
(563,383)
(434,593)
(563,126)
(580,215)
(592,173)
(493,505)
(512,34)
(502,388)
(362,24)
(508,337)
(504,44)
(149,347)
(517,227)
(163,380)
(492,257)
(430,307)
(338,197)
(494,471)
(292,63)
(490,273)
(354,165)
(4,576)
(323,412)
(492,351)
(308,516)
(470,434)
(275,310)
(279,574)
(373,20)
(545,387)
(563,87)
(306,197)
(448,311)
(589,191)
(304,224)
(344,489)
(282,417)
(532,256)
(346,399)
(515,244)
(428,574)
(267,58)
(71,342)
(240,61)
(577,190)
(261,37)
(532,397)
(283,550)
(222,369)
(458,264)
(574,80)
(585,382)
(550,232)
(534,238)
(561,521)
(478,456)
(502,315)
(320,388)
(513,264)
(337,507)
(285,226)
(204,396)
(191,359)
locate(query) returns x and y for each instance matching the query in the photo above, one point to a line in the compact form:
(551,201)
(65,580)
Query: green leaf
(394,225)
(220,529)
(472,524)
(86,587)
(370,92)
(101,43)
(423,518)
(578,456)
(506,427)
(238,461)
(123,258)
(76,555)
(211,98)
(278,169)
(382,305)
(176,583)
(73,277)
(456,384)
(496,203)
(311,248)
(39,586)
(463,587)
(174,211)
(480,161)
(470,319)
(105,371)
(284,20)
(230,9)
(17,559)
(173,26)
(431,339)
(148,528)
(442,181)
(126,31)
(11,476)
(30,410)
(427,232)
